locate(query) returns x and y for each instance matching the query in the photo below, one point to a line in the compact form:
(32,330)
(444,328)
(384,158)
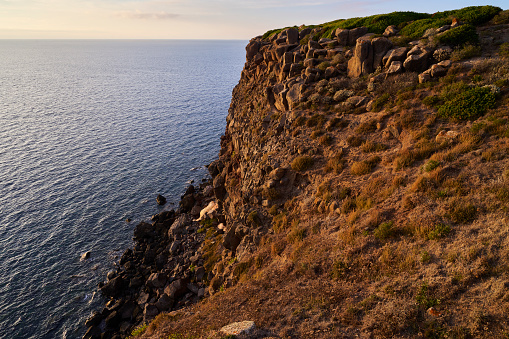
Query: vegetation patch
(468,104)
(365,166)
(385,230)
(302,163)
(440,231)
(380,102)
(458,36)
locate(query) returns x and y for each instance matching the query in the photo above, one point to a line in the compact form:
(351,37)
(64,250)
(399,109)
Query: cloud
(146,15)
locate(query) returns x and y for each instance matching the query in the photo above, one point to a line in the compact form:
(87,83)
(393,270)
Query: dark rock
(93,332)
(199,273)
(85,255)
(416,63)
(342,36)
(215,168)
(150,311)
(112,320)
(187,203)
(354,34)
(292,36)
(176,289)
(190,190)
(252,48)
(231,241)
(94,319)
(164,303)
(304,32)
(160,199)
(113,287)
(380,48)
(331,72)
(397,54)
(126,311)
(395,68)
(110,275)
(156,280)
(143,231)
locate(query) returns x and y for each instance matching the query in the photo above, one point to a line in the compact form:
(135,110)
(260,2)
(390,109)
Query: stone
(176,289)
(293,96)
(156,280)
(429,32)
(342,36)
(438,71)
(416,63)
(292,36)
(445,63)
(390,31)
(160,199)
(164,303)
(94,319)
(356,33)
(357,101)
(150,311)
(187,202)
(442,53)
(143,231)
(179,225)
(396,54)
(395,68)
(446,136)
(314,45)
(174,247)
(195,211)
(380,47)
(362,60)
(311,62)
(239,328)
(287,58)
(93,332)
(252,48)
(424,77)
(231,241)
(331,72)
(295,69)
(277,174)
(113,287)
(443,28)
(112,319)
(304,32)
(85,255)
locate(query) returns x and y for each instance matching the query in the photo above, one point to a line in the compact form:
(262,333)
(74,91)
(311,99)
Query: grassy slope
(417,223)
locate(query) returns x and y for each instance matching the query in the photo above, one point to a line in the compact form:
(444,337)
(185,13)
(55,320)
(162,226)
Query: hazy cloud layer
(147,15)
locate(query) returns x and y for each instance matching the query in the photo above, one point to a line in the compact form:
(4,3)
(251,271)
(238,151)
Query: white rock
(243,327)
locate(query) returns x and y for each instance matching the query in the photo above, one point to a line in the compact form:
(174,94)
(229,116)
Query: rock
(438,71)
(160,199)
(164,303)
(445,63)
(187,202)
(277,174)
(380,47)
(199,273)
(293,96)
(150,311)
(443,28)
(287,58)
(252,48)
(362,60)
(395,68)
(93,332)
(112,320)
(156,280)
(113,287)
(448,136)
(416,63)
(85,255)
(357,101)
(208,210)
(195,211)
(126,311)
(331,72)
(239,328)
(311,62)
(429,32)
(390,31)
(143,231)
(342,95)
(231,240)
(179,225)
(304,32)
(176,289)
(356,33)
(295,69)
(110,275)
(94,319)
(292,36)
(424,77)
(442,53)
(314,45)
(397,54)
(342,36)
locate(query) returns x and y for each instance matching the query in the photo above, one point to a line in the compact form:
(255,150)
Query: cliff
(361,190)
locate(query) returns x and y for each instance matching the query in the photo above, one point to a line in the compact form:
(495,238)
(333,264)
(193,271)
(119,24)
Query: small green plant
(425,257)
(467,51)
(384,231)
(253,218)
(370,146)
(423,297)
(364,167)
(302,163)
(323,66)
(503,50)
(440,231)
(139,330)
(380,102)
(315,120)
(459,36)
(430,165)
(431,101)
(469,104)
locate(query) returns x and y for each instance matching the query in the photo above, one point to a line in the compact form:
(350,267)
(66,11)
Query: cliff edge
(361,191)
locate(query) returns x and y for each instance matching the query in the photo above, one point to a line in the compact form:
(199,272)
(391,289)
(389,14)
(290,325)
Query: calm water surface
(90,133)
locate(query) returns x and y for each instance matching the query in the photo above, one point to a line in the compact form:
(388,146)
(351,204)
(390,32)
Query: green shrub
(315,120)
(503,50)
(440,231)
(385,230)
(380,102)
(139,330)
(431,101)
(417,28)
(477,15)
(302,163)
(469,104)
(424,299)
(458,36)
(378,23)
(323,66)
(430,165)
(501,18)
(468,51)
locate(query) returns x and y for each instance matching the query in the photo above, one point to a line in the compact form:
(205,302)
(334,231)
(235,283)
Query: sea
(91,131)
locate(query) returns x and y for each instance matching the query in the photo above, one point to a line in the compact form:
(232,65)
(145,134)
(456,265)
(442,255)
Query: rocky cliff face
(360,190)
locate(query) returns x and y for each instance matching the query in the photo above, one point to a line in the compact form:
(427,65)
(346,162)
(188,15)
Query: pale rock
(239,328)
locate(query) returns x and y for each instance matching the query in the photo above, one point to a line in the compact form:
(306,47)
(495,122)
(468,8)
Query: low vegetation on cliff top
(371,205)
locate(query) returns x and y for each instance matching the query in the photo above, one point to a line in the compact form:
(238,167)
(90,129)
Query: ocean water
(90,132)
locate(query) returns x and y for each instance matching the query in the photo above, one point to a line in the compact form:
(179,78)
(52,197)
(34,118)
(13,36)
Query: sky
(189,19)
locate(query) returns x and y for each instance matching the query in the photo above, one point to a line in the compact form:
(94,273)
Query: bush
(430,165)
(458,36)
(468,51)
(385,230)
(380,102)
(364,167)
(315,120)
(431,101)
(302,163)
(440,231)
(469,104)
(477,15)
(501,18)
(462,214)
(503,51)
(323,66)
(417,28)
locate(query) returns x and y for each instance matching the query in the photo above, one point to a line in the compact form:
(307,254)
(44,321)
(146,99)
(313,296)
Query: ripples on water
(90,133)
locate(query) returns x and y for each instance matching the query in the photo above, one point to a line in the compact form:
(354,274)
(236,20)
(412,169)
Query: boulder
(94,319)
(85,255)
(150,311)
(438,71)
(397,54)
(160,199)
(156,280)
(295,69)
(446,136)
(380,48)
(314,45)
(395,68)
(164,303)
(176,289)
(93,332)
(362,60)
(187,202)
(292,36)
(390,31)
(231,239)
(304,32)
(219,188)
(293,95)
(416,62)
(287,58)
(424,77)
(239,328)
(311,62)
(356,33)
(179,225)
(252,48)
(113,287)
(331,72)
(342,36)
